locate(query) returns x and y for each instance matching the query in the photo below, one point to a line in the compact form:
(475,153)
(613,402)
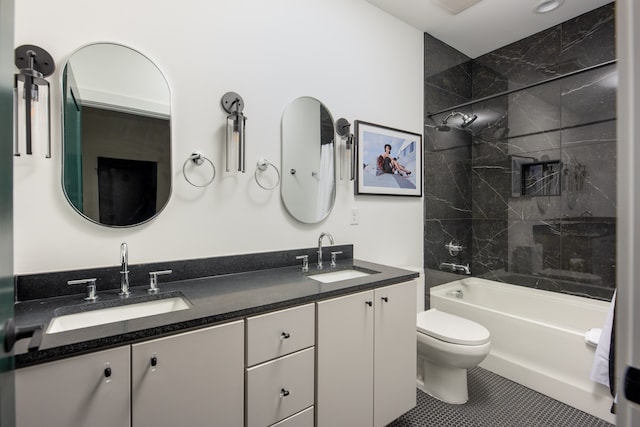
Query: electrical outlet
(355,216)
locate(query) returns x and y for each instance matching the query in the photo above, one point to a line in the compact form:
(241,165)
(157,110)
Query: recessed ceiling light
(544,6)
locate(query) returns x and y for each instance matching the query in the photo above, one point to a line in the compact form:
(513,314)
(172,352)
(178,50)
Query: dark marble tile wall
(564,242)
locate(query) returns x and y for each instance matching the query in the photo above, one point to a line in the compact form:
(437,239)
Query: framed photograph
(389,161)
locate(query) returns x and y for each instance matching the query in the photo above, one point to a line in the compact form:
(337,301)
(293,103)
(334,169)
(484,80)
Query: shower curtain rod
(510,91)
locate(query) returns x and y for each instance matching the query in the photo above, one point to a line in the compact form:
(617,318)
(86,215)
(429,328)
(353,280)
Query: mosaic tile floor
(495,401)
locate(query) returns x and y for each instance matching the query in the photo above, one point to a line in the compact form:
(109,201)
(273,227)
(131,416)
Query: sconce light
(32,97)
(347,154)
(233,104)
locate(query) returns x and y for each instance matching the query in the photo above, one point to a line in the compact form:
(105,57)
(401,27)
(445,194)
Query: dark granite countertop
(215,299)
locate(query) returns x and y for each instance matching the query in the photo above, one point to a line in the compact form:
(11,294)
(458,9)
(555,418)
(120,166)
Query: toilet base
(444,383)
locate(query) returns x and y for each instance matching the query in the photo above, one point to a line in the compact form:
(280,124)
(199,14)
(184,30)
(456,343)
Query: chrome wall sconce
(32,97)
(347,150)
(444,127)
(233,104)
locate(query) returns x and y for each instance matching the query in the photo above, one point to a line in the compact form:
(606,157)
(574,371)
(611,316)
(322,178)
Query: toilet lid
(450,328)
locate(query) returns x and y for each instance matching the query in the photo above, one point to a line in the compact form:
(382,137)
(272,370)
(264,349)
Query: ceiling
(485,25)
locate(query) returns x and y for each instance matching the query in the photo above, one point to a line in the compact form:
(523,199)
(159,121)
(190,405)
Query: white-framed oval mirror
(308,187)
(116,121)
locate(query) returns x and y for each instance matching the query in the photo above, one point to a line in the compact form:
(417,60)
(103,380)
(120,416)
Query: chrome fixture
(323,234)
(347,154)
(454,248)
(262,166)
(305,262)
(153,280)
(197,158)
(91,287)
(233,104)
(455,268)
(34,64)
(333,257)
(124,270)
(444,126)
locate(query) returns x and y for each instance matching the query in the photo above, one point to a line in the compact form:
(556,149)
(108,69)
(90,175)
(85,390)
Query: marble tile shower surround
(564,243)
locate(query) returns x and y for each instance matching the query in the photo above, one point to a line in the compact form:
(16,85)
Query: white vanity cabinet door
(280,388)
(344,345)
(76,391)
(197,380)
(279,333)
(366,365)
(395,352)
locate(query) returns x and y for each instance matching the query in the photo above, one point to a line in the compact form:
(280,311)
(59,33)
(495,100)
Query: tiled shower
(529,189)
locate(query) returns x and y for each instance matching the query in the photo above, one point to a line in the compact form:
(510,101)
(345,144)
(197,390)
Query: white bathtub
(537,337)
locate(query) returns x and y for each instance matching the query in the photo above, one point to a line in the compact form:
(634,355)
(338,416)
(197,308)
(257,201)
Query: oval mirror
(116,162)
(308,187)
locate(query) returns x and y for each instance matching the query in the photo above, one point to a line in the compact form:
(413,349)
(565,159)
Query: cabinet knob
(369,303)
(284,392)
(285,335)
(154,361)
(107,372)
(385,299)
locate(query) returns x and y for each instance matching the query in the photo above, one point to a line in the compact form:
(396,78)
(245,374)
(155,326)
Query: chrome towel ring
(262,166)
(198,159)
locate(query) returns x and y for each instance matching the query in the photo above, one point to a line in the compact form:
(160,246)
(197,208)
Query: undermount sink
(337,276)
(120,313)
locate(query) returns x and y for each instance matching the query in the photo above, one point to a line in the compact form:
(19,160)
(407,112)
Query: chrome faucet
(124,271)
(323,234)
(455,268)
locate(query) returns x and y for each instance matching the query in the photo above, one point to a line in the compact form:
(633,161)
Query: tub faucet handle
(305,262)
(333,257)
(153,280)
(91,287)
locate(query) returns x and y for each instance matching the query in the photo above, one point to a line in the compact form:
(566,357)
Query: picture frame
(394,172)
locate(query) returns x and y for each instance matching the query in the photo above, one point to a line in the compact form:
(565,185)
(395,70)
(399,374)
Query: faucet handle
(153,280)
(333,257)
(305,262)
(91,287)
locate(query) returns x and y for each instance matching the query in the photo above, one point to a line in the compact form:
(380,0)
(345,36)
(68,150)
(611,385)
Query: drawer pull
(385,299)
(284,392)
(107,371)
(369,303)
(285,335)
(154,361)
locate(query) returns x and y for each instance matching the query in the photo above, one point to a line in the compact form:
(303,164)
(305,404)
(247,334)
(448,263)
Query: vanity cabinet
(280,358)
(366,357)
(194,378)
(91,390)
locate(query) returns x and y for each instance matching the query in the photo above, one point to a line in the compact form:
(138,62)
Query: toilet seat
(450,328)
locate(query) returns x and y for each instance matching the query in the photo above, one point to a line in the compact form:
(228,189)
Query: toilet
(448,345)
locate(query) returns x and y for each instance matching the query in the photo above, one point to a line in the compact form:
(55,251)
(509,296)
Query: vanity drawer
(280,388)
(282,332)
(301,419)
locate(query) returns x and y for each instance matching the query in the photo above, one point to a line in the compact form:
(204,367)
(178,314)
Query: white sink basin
(103,316)
(336,276)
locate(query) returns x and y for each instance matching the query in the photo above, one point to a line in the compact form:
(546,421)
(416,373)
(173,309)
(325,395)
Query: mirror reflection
(116,135)
(308,161)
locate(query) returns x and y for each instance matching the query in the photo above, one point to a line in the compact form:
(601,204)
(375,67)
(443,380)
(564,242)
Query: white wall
(360,62)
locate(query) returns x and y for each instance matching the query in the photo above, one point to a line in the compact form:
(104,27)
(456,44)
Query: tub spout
(455,268)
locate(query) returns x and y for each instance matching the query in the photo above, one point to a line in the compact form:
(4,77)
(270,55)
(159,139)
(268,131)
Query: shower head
(466,119)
